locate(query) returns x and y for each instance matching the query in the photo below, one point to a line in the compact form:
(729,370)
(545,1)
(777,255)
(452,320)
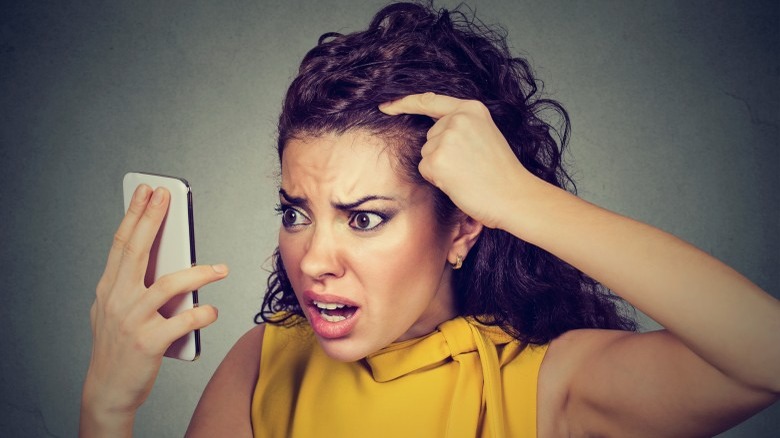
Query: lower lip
(331,330)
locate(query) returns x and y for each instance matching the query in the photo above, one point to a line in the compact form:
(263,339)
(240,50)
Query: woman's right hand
(129,336)
(468,158)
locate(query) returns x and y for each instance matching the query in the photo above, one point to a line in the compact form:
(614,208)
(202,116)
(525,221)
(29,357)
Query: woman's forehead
(348,163)
(330,148)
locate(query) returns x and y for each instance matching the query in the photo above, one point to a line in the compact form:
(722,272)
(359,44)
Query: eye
(292,217)
(365,221)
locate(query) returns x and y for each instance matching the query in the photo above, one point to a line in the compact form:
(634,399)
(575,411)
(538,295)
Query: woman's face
(361,246)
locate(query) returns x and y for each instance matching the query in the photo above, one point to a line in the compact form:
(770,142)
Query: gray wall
(675,122)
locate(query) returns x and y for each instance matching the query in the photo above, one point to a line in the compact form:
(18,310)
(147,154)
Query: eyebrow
(293,199)
(297,201)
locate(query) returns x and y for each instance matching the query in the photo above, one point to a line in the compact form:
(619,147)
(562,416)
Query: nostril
(320,265)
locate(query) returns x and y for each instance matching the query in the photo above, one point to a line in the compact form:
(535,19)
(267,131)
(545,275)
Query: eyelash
(382,215)
(281,209)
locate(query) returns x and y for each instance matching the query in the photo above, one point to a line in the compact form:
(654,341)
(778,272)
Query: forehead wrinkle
(348,166)
(364,172)
(302,168)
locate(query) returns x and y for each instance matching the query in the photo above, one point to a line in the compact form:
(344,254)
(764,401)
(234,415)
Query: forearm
(715,311)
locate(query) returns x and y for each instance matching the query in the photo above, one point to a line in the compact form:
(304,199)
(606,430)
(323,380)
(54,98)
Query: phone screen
(173,250)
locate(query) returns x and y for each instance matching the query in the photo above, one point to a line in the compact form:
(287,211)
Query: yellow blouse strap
(491,375)
(454,340)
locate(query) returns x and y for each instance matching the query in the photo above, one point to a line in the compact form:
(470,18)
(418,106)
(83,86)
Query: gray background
(675,122)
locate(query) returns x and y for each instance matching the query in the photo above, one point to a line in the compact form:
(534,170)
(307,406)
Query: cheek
(404,257)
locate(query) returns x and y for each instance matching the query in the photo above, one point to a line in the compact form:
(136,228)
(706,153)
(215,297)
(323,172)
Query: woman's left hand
(466,156)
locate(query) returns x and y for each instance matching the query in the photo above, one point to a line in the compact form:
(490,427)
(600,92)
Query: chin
(343,350)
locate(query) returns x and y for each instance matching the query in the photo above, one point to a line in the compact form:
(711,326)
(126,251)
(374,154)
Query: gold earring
(458,262)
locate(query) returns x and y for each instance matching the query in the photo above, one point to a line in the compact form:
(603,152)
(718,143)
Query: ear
(464,236)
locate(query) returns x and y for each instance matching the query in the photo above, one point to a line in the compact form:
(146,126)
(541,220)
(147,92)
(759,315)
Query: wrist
(97,421)
(528,205)
(100,416)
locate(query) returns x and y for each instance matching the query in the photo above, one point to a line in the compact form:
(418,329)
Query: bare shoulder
(249,344)
(224,407)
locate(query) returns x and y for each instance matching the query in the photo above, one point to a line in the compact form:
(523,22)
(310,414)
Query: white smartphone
(173,250)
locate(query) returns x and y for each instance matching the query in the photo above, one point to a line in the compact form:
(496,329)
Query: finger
(427,104)
(441,125)
(168,286)
(156,338)
(429,147)
(122,236)
(425,171)
(439,135)
(135,254)
(194,319)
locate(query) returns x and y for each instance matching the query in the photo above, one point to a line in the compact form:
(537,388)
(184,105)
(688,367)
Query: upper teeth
(329,306)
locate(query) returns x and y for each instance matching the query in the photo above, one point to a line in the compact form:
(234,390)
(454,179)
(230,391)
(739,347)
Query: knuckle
(131,250)
(145,345)
(425,168)
(113,310)
(460,120)
(120,240)
(434,161)
(450,136)
(125,328)
(103,287)
(427,98)
(135,208)
(476,107)
(153,212)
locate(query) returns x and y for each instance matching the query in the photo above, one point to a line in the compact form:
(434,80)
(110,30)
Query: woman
(433,275)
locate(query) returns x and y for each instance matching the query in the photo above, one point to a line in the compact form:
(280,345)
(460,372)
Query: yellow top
(463,380)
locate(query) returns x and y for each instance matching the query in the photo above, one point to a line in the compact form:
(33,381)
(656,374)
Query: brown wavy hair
(414,48)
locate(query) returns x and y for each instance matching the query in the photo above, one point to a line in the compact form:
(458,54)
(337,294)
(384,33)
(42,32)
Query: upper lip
(311,296)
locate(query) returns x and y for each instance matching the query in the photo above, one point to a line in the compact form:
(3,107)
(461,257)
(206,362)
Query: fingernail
(220,268)
(157,197)
(141,193)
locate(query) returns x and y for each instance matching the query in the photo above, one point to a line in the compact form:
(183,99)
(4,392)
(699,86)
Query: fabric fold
(465,379)
(452,339)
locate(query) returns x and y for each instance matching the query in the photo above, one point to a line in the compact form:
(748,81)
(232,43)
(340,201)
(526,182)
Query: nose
(321,259)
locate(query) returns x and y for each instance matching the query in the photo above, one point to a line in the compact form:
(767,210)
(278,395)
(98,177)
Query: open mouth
(334,312)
